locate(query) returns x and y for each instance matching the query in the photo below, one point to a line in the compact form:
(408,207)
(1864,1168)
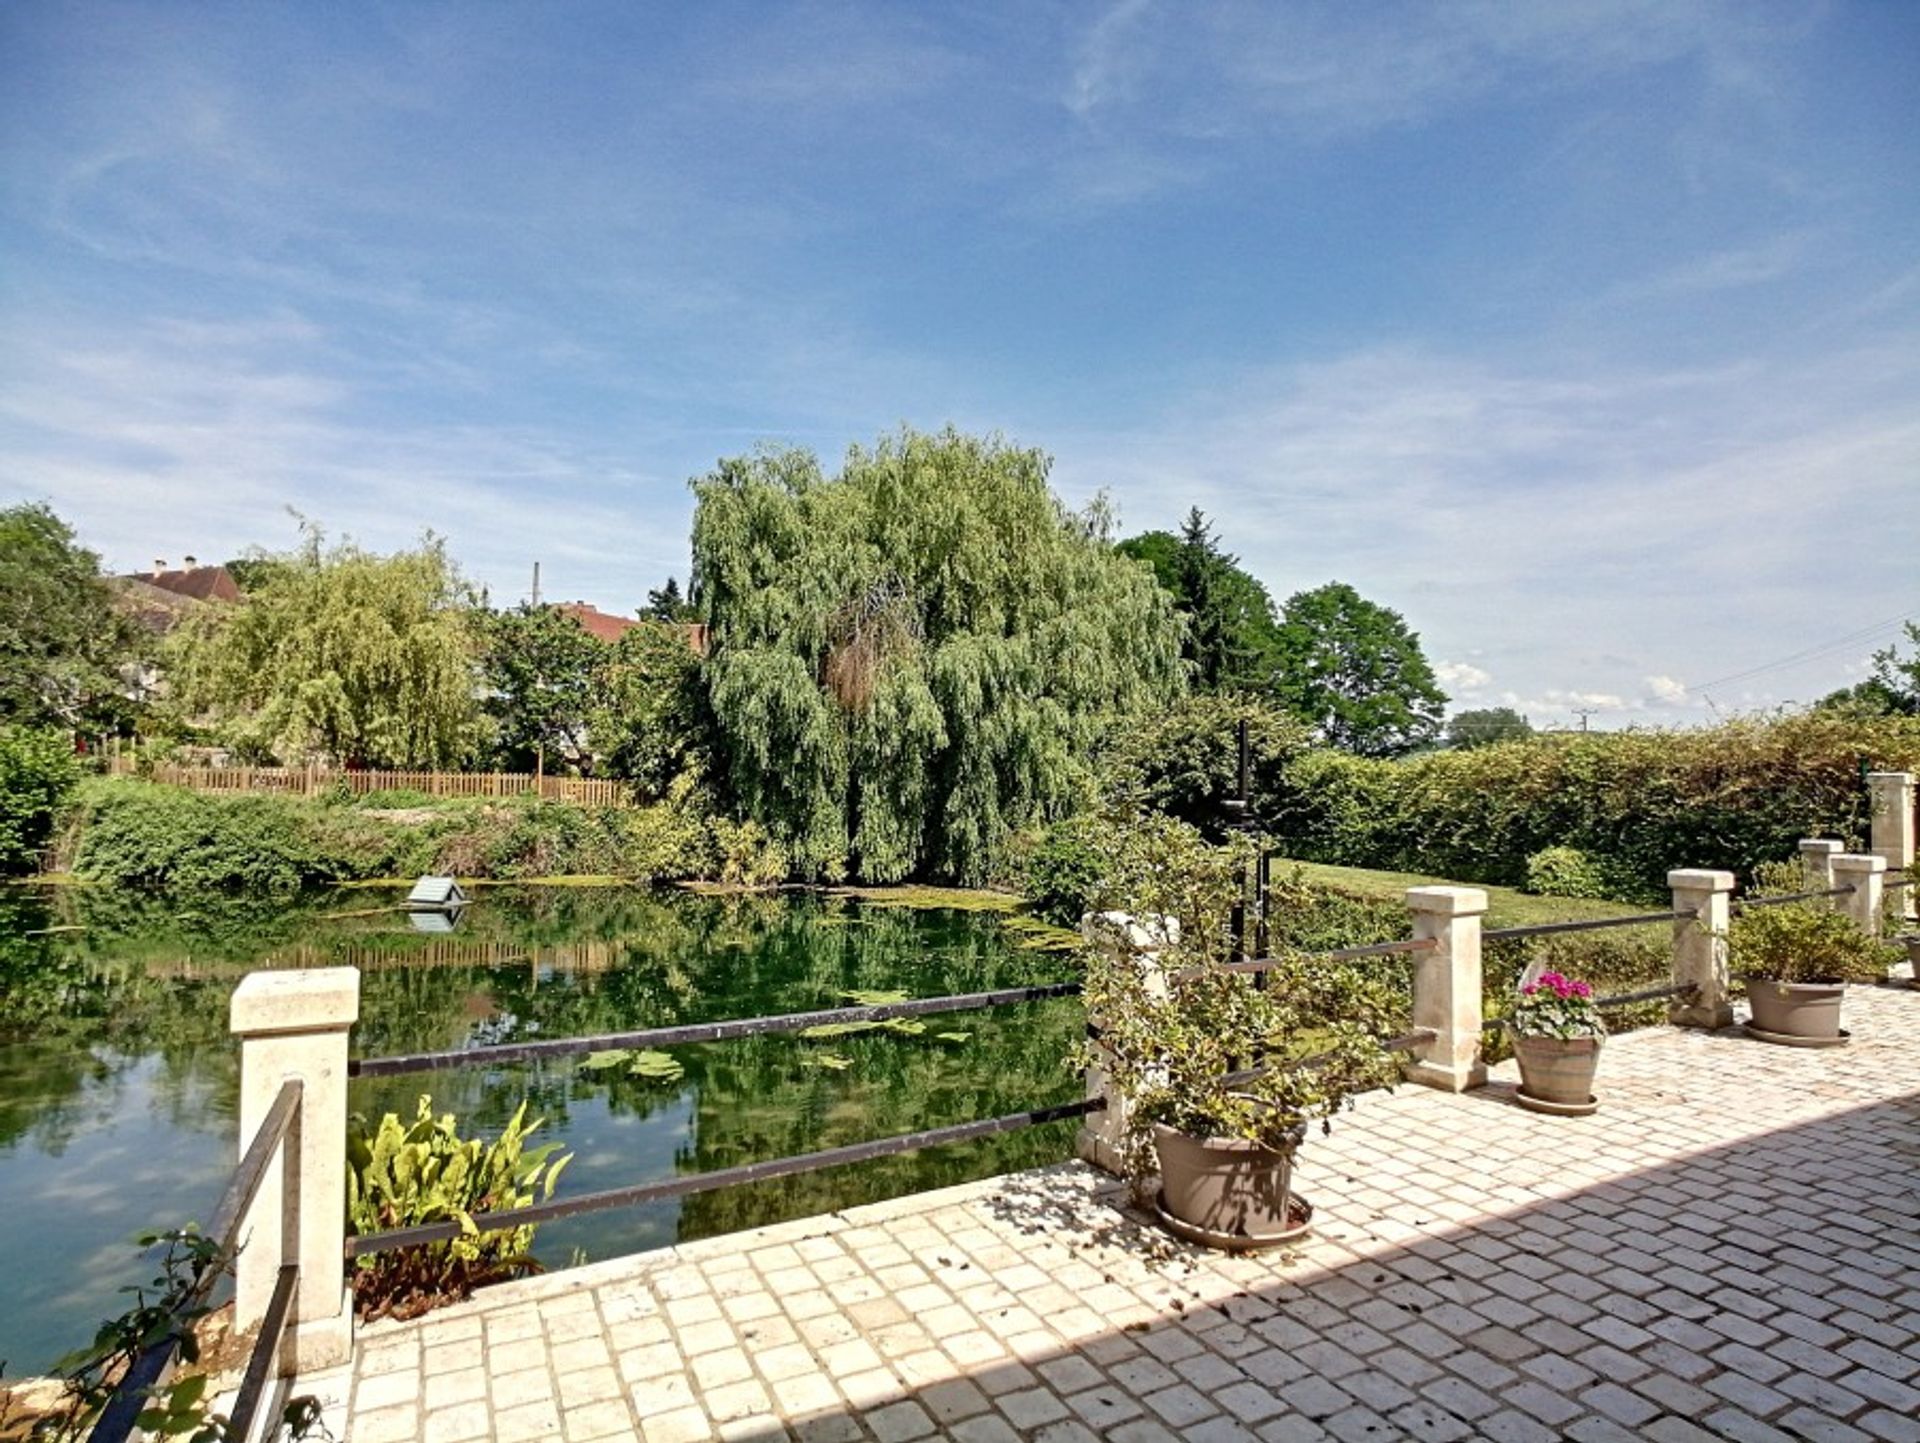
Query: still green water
(118,1082)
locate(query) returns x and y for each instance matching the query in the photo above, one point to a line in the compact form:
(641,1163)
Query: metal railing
(119,1419)
(555,1208)
(1590,924)
(1748,904)
(1405,1042)
(703,1031)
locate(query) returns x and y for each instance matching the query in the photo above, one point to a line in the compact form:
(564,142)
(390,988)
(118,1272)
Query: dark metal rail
(1746,904)
(1647,994)
(1405,1042)
(252,1171)
(119,1418)
(266,1349)
(1595,924)
(721,1177)
(1894,884)
(702,1031)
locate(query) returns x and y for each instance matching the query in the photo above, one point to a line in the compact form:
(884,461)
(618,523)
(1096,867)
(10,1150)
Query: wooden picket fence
(309,781)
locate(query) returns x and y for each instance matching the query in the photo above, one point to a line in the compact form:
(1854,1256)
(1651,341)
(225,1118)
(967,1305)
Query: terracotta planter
(1809,1010)
(1558,1070)
(1227,1192)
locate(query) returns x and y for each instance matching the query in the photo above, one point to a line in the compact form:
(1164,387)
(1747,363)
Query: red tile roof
(597,623)
(202,583)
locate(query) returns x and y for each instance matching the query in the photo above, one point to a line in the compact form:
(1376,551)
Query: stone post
(1118,936)
(1893,829)
(1866,873)
(1700,947)
(1816,863)
(295,1024)
(1446,986)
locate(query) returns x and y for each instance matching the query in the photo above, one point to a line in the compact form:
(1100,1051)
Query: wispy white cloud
(1567,525)
(1667,691)
(1461,679)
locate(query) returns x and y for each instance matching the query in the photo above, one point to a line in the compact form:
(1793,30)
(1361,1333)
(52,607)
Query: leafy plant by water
(170,1306)
(401,1176)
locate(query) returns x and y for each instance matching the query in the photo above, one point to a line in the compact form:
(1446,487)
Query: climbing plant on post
(910,662)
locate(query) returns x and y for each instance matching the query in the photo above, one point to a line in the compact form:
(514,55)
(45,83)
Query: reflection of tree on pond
(149,978)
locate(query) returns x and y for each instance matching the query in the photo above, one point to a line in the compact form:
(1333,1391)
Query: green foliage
(1798,943)
(542,670)
(1170,1050)
(1352,670)
(1555,1005)
(1897,676)
(1184,759)
(746,855)
(142,835)
(647,1064)
(1065,867)
(1231,633)
(171,1305)
(909,663)
(1566,872)
(1484,726)
(366,659)
(649,721)
(665,603)
(1637,803)
(38,773)
(400,1176)
(62,640)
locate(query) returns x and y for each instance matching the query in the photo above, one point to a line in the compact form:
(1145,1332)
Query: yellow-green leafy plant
(400,1176)
(1804,944)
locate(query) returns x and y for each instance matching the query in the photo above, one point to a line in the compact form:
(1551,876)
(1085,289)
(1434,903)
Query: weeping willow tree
(338,652)
(910,662)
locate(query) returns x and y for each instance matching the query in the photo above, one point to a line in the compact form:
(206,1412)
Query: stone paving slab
(1729,1248)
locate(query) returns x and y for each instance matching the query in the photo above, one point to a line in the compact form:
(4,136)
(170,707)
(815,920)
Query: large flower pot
(1806,1013)
(1229,1193)
(1558,1072)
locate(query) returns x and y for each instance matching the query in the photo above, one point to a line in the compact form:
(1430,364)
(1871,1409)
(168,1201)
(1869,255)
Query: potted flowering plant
(1557,1032)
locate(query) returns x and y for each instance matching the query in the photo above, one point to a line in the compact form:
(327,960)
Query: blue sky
(1585,334)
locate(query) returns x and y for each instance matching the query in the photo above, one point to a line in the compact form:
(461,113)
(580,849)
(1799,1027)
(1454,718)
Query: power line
(1841,643)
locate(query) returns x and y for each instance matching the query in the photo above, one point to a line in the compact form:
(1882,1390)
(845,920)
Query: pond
(118,1082)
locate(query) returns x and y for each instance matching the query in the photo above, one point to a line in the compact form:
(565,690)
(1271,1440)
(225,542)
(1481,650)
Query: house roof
(153,607)
(201,583)
(597,623)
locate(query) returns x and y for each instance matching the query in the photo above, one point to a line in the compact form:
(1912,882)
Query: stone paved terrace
(1730,1248)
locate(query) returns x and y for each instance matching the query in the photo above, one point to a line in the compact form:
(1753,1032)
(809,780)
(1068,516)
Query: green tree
(1483,726)
(37,776)
(1351,669)
(1899,676)
(62,640)
(1230,636)
(649,719)
(369,660)
(910,662)
(665,603)
(543,672)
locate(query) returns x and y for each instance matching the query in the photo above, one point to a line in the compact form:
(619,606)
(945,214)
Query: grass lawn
(1506,907)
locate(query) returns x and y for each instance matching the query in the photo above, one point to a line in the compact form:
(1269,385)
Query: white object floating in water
(436,894)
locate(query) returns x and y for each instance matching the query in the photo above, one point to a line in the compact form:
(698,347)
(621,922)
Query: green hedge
(142,834)
(1636,804)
